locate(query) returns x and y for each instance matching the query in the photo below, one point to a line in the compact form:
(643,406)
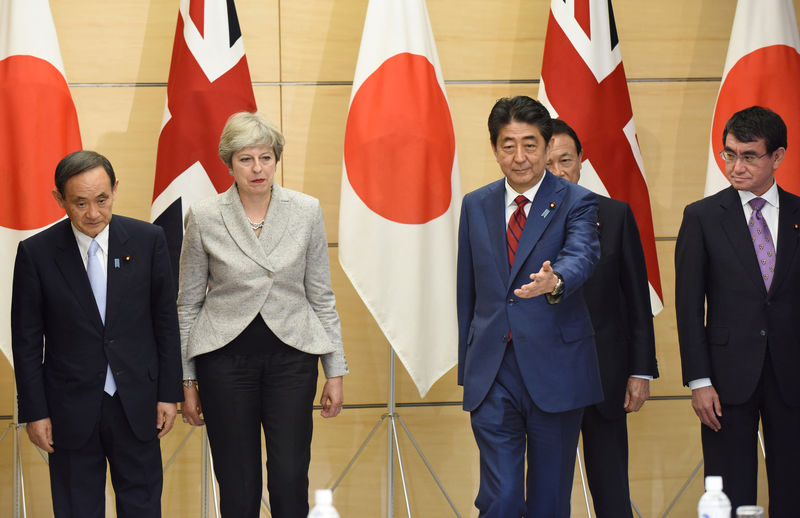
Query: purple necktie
(762,241)
(515,226)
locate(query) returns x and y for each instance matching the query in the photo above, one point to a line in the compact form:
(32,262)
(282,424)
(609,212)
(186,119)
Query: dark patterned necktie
(514,229)
(762,241)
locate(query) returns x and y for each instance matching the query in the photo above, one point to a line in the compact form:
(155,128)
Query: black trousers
(252,383)
(733,451)
(78,477)
(605,452)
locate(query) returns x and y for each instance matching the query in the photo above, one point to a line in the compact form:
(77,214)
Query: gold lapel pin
(552,205)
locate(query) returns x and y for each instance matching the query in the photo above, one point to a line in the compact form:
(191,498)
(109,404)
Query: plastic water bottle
(714,503)
(323,505)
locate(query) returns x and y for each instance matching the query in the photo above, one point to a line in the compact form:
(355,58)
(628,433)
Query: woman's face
(253,169)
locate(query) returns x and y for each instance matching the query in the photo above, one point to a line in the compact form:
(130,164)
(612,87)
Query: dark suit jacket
(554,342)
(716,265)
(54,318)
(618,297)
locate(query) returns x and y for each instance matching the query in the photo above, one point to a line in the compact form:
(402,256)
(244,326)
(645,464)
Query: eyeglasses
(747,158)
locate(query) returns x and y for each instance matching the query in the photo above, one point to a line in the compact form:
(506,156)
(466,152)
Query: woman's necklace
(256,226)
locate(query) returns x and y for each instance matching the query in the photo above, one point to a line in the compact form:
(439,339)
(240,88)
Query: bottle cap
(713,483)
(323,496)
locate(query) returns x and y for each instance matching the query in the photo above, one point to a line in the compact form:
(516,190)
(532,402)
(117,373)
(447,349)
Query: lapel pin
(796,226)
(127,258)
(545,213)
(552,205)
(598,224)
(116,262)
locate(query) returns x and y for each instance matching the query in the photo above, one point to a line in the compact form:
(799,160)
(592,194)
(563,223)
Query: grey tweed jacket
(228,275)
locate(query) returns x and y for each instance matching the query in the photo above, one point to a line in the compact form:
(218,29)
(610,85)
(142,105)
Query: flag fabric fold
(400,195)
(209,80)
(583,82)
(762,68)
(38,127)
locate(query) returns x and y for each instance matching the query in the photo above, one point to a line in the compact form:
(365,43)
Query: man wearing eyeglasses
(737,299)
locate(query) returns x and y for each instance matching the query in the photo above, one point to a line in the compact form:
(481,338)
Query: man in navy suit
(527,359)
(618,297)
(94,331)
(737,301)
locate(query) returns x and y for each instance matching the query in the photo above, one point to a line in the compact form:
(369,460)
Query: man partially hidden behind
(618,297)
(96,346)
(737,298)
(527,359)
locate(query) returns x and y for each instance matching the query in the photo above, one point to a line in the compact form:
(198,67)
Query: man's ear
(59,199)
(779,155)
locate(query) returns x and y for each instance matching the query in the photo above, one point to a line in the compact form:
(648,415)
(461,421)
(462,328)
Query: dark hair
(562,128)
(756,122)
(519,109)
(78,162)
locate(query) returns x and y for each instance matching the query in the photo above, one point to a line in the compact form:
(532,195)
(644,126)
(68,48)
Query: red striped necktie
(515,226)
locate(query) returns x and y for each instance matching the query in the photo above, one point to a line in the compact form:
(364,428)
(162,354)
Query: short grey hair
(245,129)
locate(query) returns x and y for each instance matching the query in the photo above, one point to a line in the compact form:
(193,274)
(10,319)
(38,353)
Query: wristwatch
(559,289)
(189,383)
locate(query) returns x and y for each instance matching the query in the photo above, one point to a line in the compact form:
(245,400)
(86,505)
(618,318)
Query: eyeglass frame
(746,158)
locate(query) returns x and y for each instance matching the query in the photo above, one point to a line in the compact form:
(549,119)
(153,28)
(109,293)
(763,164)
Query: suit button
(762,333)
(505,338)
(512,301)
(269,274)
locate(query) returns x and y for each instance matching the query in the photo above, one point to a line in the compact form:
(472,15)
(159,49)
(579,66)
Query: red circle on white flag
(766,77)
(399,143)
(38,126)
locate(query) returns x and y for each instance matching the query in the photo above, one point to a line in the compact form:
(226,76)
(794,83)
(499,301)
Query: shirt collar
(511,194)
(84,241)
(771,196)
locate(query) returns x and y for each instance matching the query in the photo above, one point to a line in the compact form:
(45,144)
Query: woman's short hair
(245,129)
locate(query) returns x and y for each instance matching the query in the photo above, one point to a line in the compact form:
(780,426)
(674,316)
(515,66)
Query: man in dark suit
(527,359)
(618,296)
(737,299)
(96,346)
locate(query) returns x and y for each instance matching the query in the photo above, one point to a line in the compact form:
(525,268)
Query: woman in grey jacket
(256,312)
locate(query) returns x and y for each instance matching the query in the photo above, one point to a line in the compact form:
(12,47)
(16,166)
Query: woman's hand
(191,406)
(332,397)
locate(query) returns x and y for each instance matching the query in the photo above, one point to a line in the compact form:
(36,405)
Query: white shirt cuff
(643,376)
(700,383)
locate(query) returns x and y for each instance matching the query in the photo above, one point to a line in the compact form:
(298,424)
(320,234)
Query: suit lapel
(735,228)
(788,236)
(123,259)
(276,222)
(70,263)
(544,208)
(238,227)
(494,210)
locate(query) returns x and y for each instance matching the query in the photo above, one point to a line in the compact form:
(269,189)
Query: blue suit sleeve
(465,289)
(581,250)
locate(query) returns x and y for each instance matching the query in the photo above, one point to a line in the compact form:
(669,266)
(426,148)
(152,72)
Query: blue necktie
(97,278)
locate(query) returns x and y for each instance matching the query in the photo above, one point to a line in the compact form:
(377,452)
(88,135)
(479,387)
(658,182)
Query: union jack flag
(583,82)
(208,81)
